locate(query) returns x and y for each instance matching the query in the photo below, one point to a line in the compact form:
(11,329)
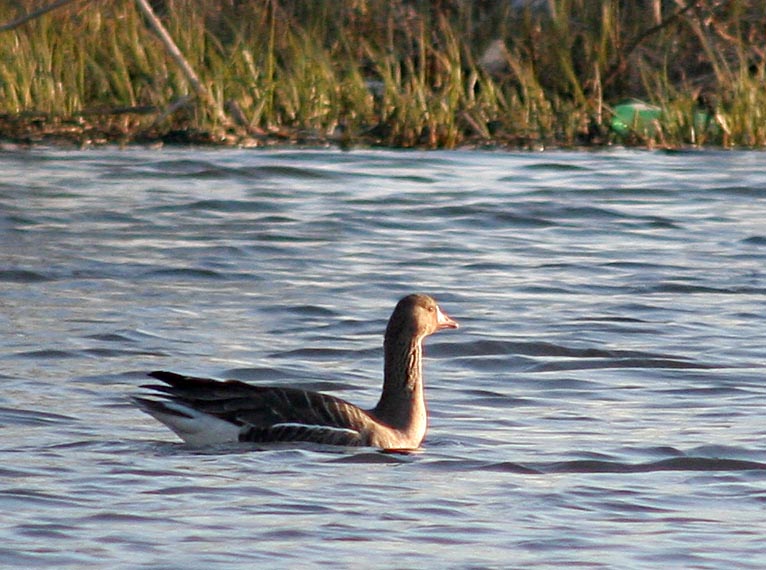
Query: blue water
(601,406)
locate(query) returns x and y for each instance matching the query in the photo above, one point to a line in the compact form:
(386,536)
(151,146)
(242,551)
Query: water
(601,406)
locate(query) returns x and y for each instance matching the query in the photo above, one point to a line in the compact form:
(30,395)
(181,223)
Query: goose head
(415,317)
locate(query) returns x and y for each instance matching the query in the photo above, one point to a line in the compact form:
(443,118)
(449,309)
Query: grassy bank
(387,72)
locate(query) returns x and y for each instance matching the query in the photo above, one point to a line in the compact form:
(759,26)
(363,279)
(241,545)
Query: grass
(387,72)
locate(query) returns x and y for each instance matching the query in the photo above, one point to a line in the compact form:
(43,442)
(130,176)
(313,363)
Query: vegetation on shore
(401,73)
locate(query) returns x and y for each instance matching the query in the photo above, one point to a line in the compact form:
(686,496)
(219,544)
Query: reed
(390,72)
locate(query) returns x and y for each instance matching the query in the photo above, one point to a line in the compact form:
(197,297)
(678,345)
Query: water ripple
(601,404)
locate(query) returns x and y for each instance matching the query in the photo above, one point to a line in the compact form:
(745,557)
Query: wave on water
(691,463)
(672,464)
(20,416)
(22,276)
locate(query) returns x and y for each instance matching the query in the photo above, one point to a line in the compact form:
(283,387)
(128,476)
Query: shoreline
(36,130)
(121,129)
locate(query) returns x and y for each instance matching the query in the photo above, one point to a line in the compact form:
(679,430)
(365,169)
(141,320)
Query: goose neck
(402,399)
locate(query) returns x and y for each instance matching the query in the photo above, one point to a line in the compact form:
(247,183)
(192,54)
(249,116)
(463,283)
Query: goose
(204,411)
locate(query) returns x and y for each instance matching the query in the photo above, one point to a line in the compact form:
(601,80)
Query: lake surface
(602,405)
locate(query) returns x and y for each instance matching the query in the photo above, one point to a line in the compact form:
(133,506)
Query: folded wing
(254,413)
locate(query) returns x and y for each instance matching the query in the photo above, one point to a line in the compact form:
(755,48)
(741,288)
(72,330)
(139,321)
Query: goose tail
(194,427)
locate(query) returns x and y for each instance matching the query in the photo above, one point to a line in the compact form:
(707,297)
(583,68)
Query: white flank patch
(199,429)
(317,428)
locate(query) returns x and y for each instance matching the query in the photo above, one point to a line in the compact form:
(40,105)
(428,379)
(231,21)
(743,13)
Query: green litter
(635,117)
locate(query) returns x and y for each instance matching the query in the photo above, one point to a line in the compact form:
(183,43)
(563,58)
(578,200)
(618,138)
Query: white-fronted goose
(203,411)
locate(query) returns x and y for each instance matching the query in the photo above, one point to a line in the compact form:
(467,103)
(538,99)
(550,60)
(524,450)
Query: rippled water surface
(601,406)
